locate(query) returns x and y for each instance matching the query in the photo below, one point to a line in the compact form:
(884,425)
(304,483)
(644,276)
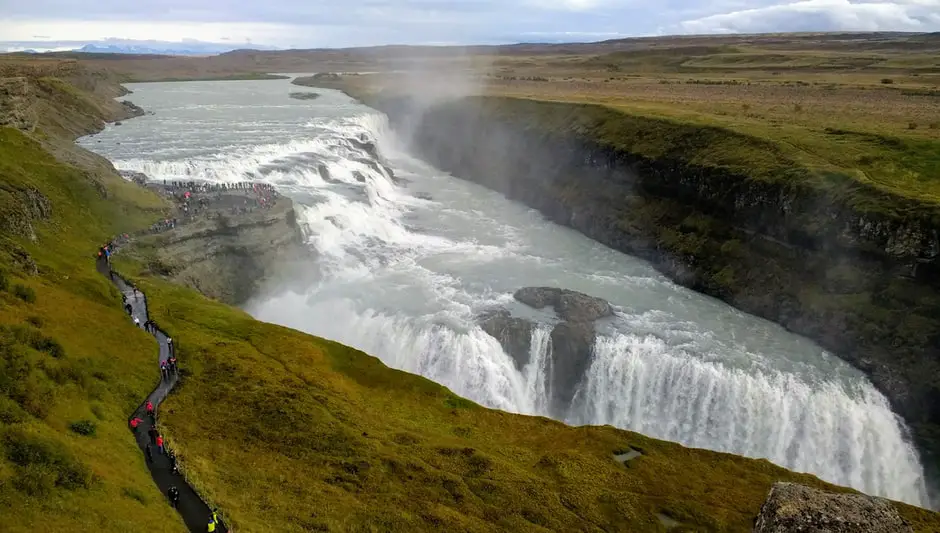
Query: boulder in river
(304,95)
(792,507)
(324,173)
(571,306)
(513,333)
(363,143)
(572,339)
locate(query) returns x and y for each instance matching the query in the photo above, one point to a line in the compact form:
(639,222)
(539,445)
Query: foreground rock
(791,507)
(572,339)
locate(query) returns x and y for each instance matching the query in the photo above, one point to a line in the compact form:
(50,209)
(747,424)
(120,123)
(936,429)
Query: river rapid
(405,267)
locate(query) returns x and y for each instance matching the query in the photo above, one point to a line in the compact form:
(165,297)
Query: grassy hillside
(283,431)
(71,366)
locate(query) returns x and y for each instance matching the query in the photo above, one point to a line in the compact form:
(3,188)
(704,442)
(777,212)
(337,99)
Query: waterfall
(405,266)
(848,437)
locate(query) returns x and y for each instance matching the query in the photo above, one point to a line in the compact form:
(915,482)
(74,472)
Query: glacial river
(403,270)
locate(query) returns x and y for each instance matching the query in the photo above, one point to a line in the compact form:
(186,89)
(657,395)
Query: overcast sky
(340,23)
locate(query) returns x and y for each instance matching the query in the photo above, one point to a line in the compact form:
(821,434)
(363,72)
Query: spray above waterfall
(408,261)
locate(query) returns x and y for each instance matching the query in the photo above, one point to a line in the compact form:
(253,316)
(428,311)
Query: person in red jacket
(160,444)
(149,407)
(135,422)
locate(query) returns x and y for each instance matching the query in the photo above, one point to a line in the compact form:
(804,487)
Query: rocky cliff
(830,258)
(224,249)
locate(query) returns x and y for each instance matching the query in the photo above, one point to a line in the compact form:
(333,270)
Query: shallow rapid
(407,262)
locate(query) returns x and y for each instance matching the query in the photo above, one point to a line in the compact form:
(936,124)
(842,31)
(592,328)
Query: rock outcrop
(20,208)
(572,338)
(791,507)
(228,255)
(513,333)
(304,96)
(571,306)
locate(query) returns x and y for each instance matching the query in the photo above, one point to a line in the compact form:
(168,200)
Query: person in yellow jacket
(211,527)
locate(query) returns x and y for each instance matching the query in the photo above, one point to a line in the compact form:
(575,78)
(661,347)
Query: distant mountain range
(126,46)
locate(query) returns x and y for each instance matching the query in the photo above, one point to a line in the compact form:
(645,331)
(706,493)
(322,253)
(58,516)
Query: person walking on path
(210,528)
(136,322)
(135,422)
(149,407)
(163,371)
(169,345)
(173,494)
(149,452)
(174,465)
(153,434)
(173,367)
(160,444)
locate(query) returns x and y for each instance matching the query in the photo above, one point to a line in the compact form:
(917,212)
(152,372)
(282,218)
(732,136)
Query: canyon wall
(827,257)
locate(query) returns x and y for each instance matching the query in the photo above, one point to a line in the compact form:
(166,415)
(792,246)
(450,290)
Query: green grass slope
(71,366)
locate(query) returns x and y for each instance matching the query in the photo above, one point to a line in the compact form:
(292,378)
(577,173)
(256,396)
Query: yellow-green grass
(68,354)
(289,432)
(847,152)
(874,117)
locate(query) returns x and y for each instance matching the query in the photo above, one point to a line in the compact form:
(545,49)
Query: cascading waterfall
(404,278)
(537,373)
(642,384)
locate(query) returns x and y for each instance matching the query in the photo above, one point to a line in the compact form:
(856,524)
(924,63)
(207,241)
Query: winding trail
(192,508)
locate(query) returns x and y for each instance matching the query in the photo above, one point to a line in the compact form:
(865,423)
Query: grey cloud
(823,15)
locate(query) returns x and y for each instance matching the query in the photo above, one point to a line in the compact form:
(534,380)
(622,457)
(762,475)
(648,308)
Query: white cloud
(823,15)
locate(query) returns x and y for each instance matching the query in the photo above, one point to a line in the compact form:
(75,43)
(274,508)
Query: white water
(404,277)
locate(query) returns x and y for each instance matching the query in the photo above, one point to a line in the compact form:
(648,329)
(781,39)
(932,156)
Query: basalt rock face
(229,256)
(513,333)
(862,282)
(20,208)
(571,341)
(791,507)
